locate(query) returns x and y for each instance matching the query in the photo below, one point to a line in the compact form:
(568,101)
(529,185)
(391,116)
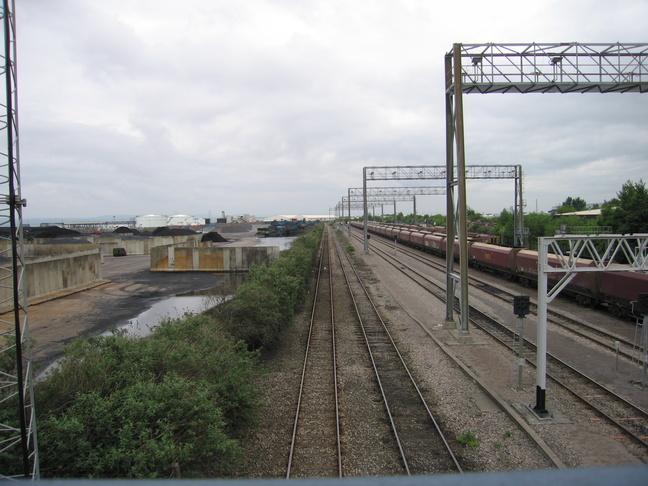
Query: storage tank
(151,221)
(180,220)
(184,220)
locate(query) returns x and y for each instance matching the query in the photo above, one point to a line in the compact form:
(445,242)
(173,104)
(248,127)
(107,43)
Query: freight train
(612,290)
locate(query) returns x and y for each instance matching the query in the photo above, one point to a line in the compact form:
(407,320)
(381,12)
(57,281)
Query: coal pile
(164,231)
(284,228)
(213,236)
(123,230)
(51,232)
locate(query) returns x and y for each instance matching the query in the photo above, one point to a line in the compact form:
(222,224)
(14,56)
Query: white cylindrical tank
(180,220)
(151,221)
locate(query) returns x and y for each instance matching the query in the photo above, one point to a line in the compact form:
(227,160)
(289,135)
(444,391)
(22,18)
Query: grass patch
(468,439)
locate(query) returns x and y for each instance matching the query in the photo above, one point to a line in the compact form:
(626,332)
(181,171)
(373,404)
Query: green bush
(254,316)
(144,430)
(140,408)
(266,304)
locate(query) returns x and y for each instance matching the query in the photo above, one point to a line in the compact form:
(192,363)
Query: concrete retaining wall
(210,259)
(53,268)
(142,245)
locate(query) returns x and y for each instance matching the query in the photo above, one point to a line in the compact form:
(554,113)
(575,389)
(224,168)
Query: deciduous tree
(628,213)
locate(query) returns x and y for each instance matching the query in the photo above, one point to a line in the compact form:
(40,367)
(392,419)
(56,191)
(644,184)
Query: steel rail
(483,321)
(621,400)
(335,375)
(434,422)
(378,380)
(607,338)
(324,246)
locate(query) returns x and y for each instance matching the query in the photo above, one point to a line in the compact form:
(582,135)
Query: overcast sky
(132,107)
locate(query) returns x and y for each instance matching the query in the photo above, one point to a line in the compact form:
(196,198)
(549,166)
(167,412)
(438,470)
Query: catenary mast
(18,431)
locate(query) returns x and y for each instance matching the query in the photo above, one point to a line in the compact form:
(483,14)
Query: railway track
(315,449)
(423,447)
(577,327)
(609,406)
(332,411)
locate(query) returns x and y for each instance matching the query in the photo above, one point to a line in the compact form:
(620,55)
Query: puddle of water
(174,307)
(170,308)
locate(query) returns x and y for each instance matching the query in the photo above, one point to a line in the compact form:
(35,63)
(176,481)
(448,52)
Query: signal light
(521,305)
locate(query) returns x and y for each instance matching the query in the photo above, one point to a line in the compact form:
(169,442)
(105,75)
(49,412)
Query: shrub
(266,304)
(141,431)
(253,315)
(138,407)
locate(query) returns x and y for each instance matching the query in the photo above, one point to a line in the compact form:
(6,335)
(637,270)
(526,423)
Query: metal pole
(461,178)
(16,238)
(644,344)
(523,242)
(520,353)
(519,239)
(450,184)
(516,209)
(395,221)
(414,204)
(364,205)
(349,201)
(541,335)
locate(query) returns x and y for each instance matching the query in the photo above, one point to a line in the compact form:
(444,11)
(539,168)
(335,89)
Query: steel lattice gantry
(357,202)
(383,195)
(341,205)
(393,194)
(554,68)
(427,172)
(602,253)
(18,430)
(523,68)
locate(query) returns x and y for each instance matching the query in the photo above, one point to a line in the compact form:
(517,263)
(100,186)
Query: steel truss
(431,172)
(356,202)
(341,205)
(521,68)
(359,204)
(603,251)
(394,194)
(397,191)
(426,172)
(470,172)
(554,68)
(18,432)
